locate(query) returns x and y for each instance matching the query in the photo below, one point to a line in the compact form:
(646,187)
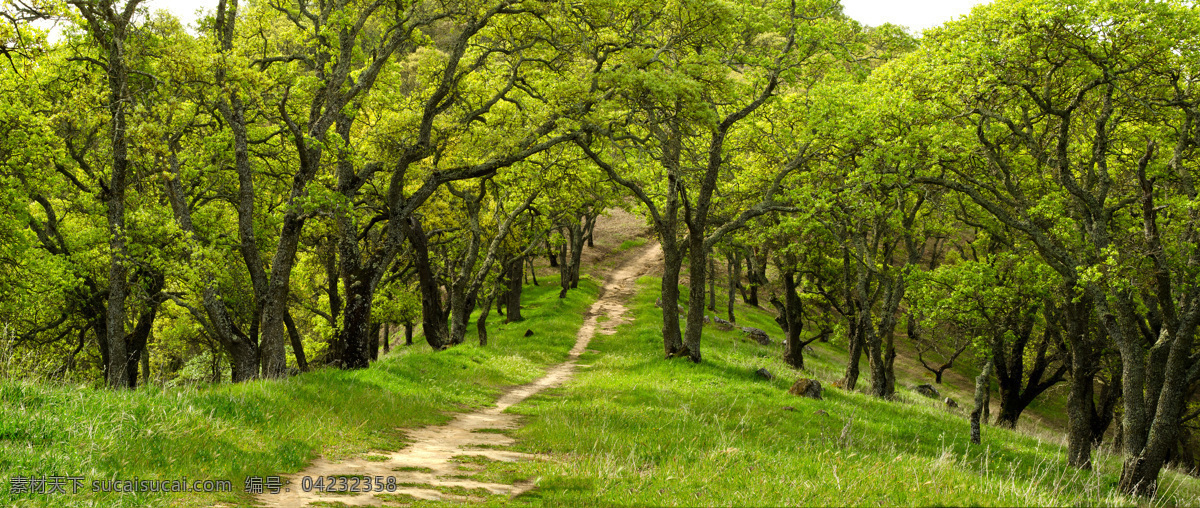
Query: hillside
(627,428)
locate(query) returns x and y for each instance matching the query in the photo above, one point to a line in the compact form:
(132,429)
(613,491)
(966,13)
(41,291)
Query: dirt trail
(424,469)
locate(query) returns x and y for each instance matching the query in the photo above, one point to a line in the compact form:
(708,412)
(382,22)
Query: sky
(916,15)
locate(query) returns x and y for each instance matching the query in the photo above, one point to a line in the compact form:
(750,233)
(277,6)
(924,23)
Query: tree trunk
(273,335)
(697,268)
(461,305)
(137,341)
(981,391)
(734,277)
(576,253)
(874,347)
(512,297)
(589,229)
(712,283)
(854,355)
(146,367)
(564,271)
(672,265)
(374,345)
(356,321)
(752,277)
(408,334)
(1102,415)
(387,338)
(297,344)
(109,28)
(481,322)
(794,314)
(1079,429)
(432,321)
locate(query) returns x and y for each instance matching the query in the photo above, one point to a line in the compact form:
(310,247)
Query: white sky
(916,15)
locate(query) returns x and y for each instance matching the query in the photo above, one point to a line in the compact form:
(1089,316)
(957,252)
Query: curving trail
(424,469)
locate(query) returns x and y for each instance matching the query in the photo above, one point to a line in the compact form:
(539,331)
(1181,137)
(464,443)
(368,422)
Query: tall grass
(634,429)
(260,428)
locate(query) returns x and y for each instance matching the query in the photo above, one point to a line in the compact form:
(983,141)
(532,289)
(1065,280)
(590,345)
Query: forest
(283,188)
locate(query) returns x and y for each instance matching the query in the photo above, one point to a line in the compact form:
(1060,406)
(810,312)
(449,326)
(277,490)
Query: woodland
(290,185)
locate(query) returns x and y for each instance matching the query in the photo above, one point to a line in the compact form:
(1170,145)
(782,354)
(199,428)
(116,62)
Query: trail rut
(424,469)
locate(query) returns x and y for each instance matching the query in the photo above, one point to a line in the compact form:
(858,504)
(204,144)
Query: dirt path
(426,468)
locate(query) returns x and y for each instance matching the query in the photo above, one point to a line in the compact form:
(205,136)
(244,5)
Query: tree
(688,87)
(1068,103)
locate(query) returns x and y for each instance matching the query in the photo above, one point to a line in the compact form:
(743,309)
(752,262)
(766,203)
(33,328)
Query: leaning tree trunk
(273,334)
(297,344)
(433,322)
(1102,415)
(138,340)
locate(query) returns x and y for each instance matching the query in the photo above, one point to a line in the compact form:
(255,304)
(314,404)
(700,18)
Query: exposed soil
(424,469)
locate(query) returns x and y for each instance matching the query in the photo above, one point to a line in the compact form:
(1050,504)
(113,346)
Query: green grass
(638,430)
(229,432)
(631,243)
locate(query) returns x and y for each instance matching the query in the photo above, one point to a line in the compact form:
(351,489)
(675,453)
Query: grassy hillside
(629,429)
(634,429)
(227,432)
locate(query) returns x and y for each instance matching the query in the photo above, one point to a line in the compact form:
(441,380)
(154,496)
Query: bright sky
(915,14)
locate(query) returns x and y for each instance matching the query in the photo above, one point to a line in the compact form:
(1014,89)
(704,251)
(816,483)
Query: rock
(950,403)
(788,408)
(528,332)
(759,336)
(764,373)
(805,387)
(707,319)
(928,391)
(808,349)
(820,412)
(724,323)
